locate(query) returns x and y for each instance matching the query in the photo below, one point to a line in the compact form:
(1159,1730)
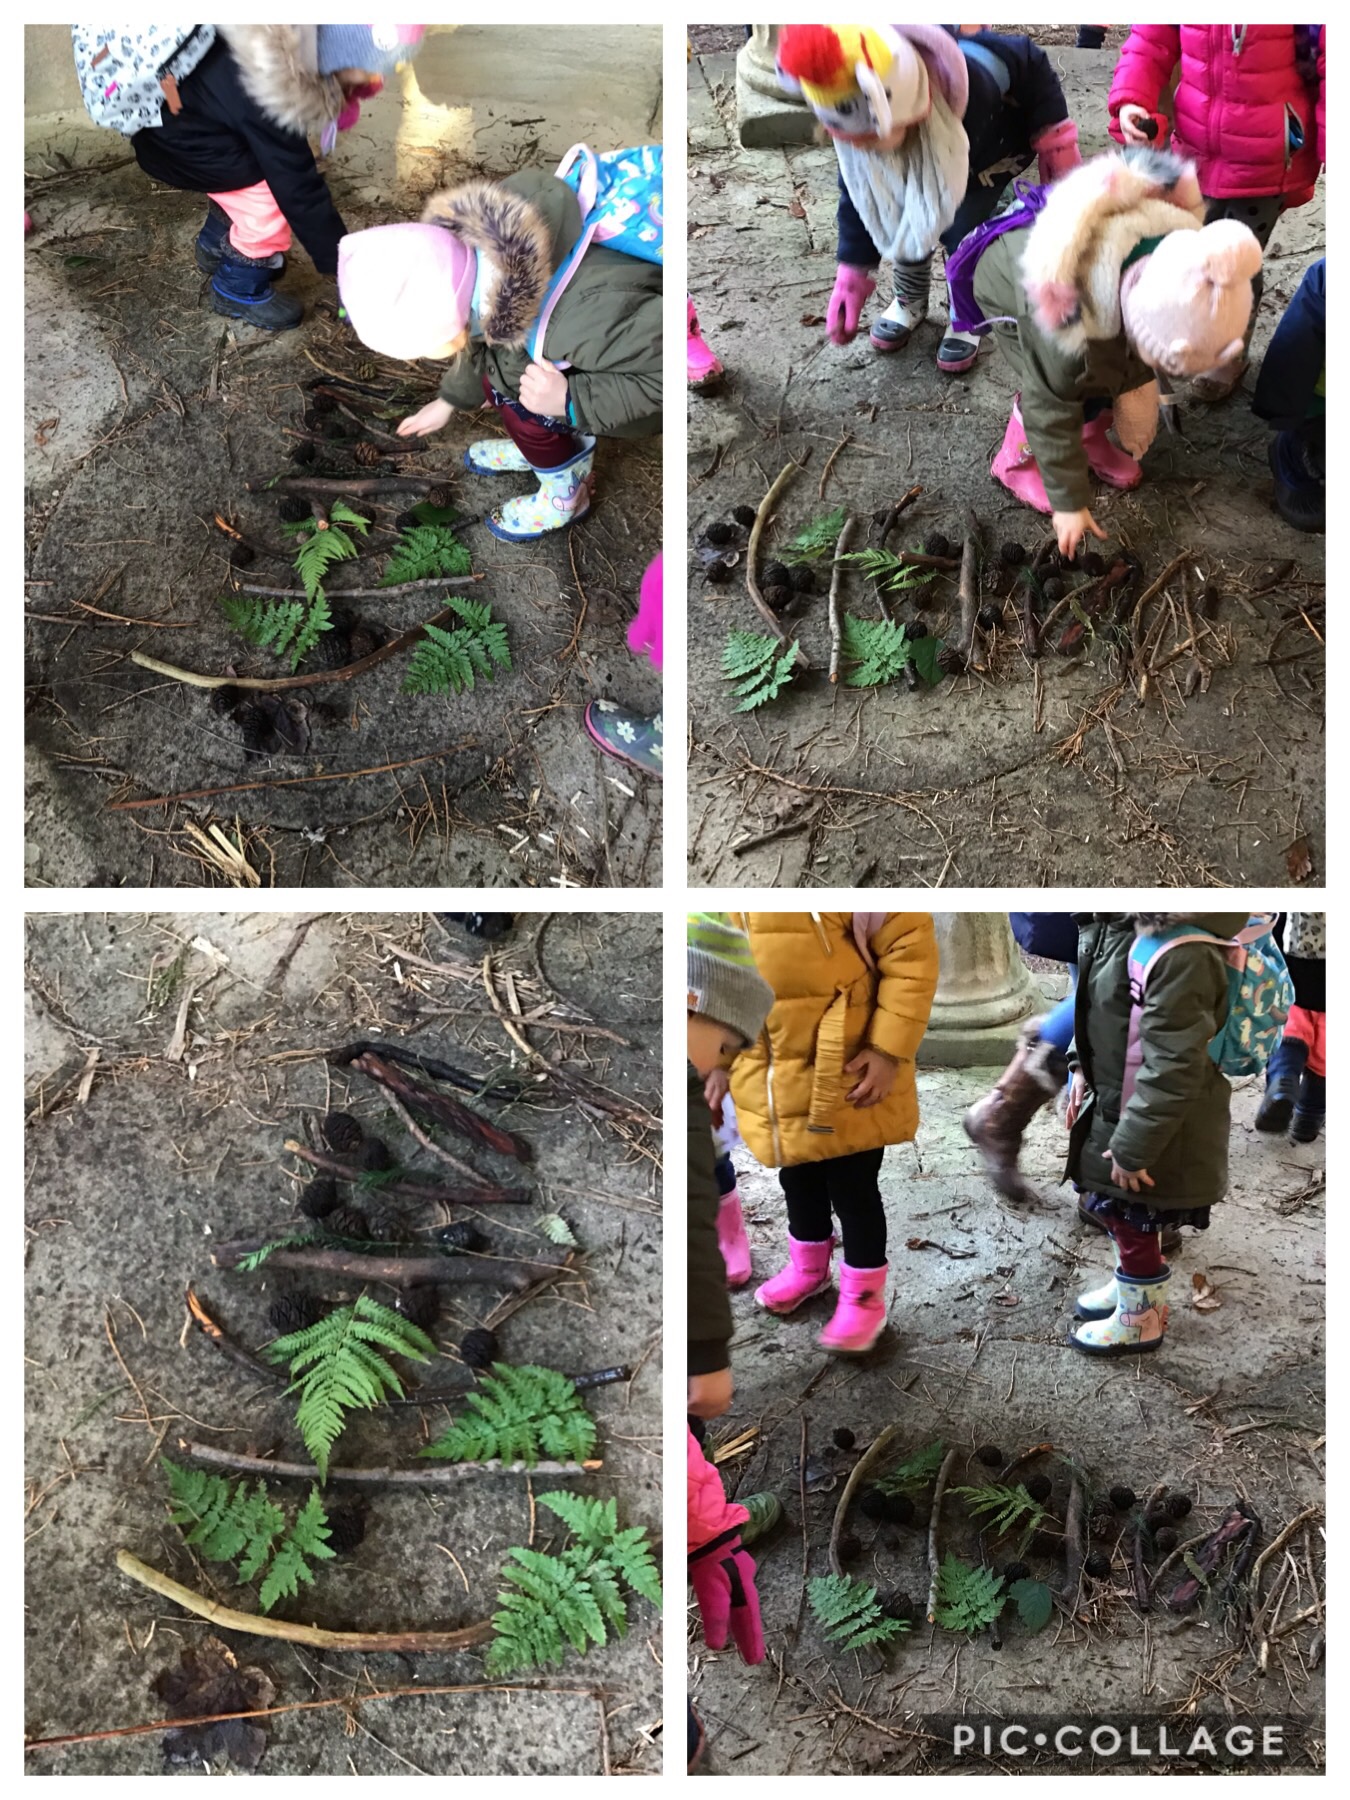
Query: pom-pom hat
(861,81)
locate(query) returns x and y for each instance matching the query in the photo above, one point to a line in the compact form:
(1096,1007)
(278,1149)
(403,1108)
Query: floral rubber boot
(1139,1322)
(494,456)
(564,496)
(629,737)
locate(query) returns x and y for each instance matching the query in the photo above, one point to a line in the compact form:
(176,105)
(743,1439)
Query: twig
(427,1396)
(395,1271)
(280,683)
(227,1619)
(766,506)
(939,1490)
(1075,1548)
(1278,1543)
(367,593)
(836,576)
(968,600)
(801,1507)
(452,1113)
(779,831)
(426,1474)
(831,458)
(440,1071)
(215,1333)
(244,787)
(872,1455)
(121,619)
(337,485)
(431,1193)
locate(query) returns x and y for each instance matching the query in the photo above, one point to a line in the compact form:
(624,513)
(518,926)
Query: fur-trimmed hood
(279,67)
(518,246)
(1094,217)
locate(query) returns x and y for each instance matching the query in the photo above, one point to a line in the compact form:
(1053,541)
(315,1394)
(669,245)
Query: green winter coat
(709,1308)
(606,324)
(1054,382)
(1176,1124)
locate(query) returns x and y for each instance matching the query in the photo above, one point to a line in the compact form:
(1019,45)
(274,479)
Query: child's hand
(435,416)
(1077,1095)
(1132,1180)
(1072,527)
(715,1090)
(878,1076)
(1134,125)
(543,389)
(710,1395)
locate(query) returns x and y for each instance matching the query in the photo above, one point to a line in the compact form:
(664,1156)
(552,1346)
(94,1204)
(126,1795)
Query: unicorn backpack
(621,198)
(1260,994)
(128,73)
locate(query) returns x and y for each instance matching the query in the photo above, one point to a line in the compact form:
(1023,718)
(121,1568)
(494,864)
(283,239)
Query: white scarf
(908,197)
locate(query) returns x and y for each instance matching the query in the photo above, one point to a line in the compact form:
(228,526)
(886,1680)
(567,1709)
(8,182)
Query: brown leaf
(42,435)
(1203,1296)
(812,319)
(796,210)
(210,1680)
(1298,859)
(1006,1300)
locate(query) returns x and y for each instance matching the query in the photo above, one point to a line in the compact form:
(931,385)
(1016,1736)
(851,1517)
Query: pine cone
(479,1349)
(342,1133)
(937,544)
(367,455)
(744,515)
(293,1311)
(346,1528)
(719,532)
(438,496)
(241,555)
(420,1306)
(989,616)
(319,1198)
(950,660)
(347,1222)
(304,454)
(460,1236)
(386,1225)
(322,403)
(376,1156)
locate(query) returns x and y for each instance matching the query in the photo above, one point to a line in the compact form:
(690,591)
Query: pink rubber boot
(1016,468)
(1115,466)
(731,1239)
(860,1316)
(705,371)
(807,1273)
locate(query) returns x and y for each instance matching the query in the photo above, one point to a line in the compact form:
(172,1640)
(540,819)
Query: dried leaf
(812,319)
(1298,859)
(1203,1296)
(796,210)
(210,1680)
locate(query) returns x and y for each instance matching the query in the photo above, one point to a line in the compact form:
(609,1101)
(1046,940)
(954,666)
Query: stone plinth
(765,116)
(985,991)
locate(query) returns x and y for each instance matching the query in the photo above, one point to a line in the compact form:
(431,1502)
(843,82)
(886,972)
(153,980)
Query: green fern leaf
(967,1599)
(889,571)
(881,651)
(336,1367)
(308,1538)
(342,514)
(228,1521)
(999,1507)
(446,662)
(757,667)
(914,1474)
(816,542)
(317,621)
(519,1415)
(850,1613)
(556,1229)
(425,551)
(255,1258)
(286,627)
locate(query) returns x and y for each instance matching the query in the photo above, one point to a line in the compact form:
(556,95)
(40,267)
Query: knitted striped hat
(724,983)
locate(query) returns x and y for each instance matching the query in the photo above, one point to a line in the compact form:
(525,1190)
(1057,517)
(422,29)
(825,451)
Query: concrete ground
(974,1353)
(146,414)
(1025,774)
(139,1161)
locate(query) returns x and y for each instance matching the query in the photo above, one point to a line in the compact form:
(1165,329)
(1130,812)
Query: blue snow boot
(1283,1073)
(213,240)
(1310,1109)
(241,288)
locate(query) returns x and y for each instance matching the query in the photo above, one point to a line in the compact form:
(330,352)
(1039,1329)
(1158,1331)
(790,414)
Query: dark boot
(1283,1073)
(996,1123)
(1300,485)
(213,241)
(242,288)
(1310,1109)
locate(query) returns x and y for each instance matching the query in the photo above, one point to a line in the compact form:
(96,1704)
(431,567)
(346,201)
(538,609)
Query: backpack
(622,209)
(128,73)
(1260,994)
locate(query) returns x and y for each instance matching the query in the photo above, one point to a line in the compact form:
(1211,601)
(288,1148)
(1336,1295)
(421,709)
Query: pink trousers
(258,227)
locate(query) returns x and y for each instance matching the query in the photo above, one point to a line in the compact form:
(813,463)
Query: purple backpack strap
(966,314)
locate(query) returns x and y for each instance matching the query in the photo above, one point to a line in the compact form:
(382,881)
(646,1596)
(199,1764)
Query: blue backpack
(622,208)
(1260,994)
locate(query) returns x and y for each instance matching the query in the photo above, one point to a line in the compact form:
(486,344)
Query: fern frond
(229,1521)
(519,1415)
(308,1538)
(595,1526)
(915,1473)
(286,627)
(425,551)
(999,1507)
(816,542)
(850,1613)
(254,1258)
(446,662)
(317,554)
(889,571)
(880,650)
(967,1599)
(757,667)
(342,514)
(336,1367)
(556,1229)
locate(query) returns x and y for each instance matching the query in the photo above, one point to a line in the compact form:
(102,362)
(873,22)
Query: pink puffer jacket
(710,1513)
(1242,102)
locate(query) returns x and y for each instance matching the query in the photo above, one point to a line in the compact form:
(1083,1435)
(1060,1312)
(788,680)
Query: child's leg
(806,1191)
(855,1199)
(544,443)
(1138,1252)
(258,227)
(909,308)
(1310,1109)
(561,458)
(245,263)
(810,1240)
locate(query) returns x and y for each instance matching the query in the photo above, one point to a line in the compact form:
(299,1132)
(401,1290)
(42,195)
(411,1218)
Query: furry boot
(995,1124)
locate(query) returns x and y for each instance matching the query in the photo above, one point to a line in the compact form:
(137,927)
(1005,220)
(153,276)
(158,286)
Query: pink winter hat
(1186,305)
(406,288)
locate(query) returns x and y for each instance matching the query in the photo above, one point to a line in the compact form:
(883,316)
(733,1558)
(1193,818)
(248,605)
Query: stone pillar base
(985,993)
(766,117)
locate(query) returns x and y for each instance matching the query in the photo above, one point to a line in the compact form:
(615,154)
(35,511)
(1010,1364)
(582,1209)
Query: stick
(430,1474)
(1031,641)
(439,1071)
(1075,1550)
(370,593)
(836,575)
(216,1334)
(280,683)
(1025,1456)
(806,1538)
(430,1193)
(227,1619)
(395,1271)
(1072,634)
(1278,1543)
(428,1396)
(338,485)
(831,459)
(938,1491)
(968,600)
(452,1113)
(872,1455)
(766,506)
(244,787)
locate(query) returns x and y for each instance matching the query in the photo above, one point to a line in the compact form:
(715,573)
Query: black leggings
(845,1187)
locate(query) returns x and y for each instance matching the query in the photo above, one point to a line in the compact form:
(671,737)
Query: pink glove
(844,313)
(722,1576)
(1056,151)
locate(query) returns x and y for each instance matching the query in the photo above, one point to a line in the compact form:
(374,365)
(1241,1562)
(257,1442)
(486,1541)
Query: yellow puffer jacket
(789,1086)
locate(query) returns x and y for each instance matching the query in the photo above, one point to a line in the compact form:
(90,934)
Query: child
(1250,110)
(1291,394)
(1148,1145)
(1295,1099)
(728,1001)
(1092,289)
(637,739)
(473,282)
(236,128)
(826,1086)
(928,132)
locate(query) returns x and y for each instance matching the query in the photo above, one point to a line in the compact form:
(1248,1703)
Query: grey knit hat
(724,983)
(376,48)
